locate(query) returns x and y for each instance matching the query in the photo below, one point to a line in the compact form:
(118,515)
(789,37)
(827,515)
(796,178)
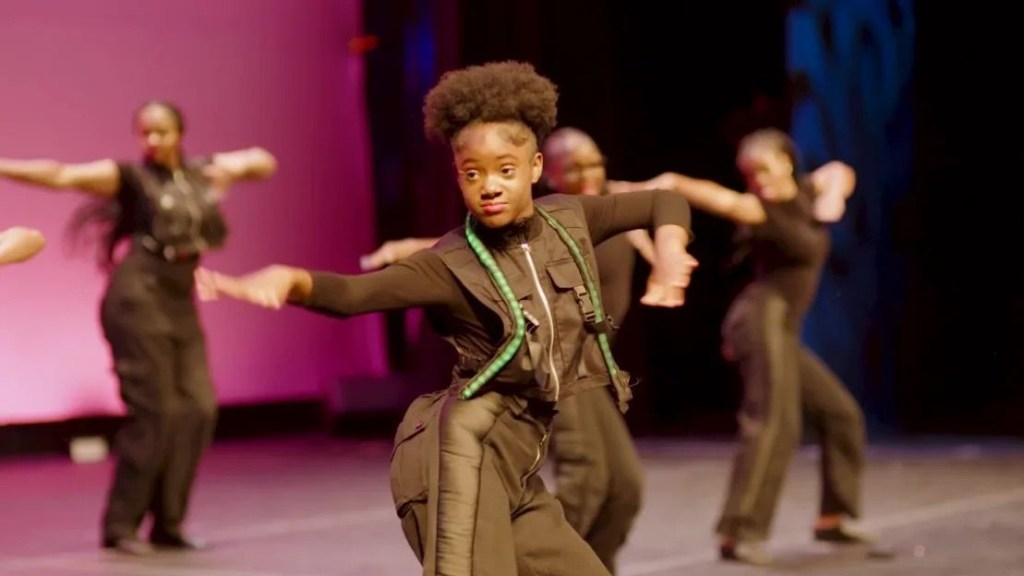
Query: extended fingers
(378,258)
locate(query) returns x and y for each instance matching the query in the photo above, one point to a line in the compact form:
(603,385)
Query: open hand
(268,287)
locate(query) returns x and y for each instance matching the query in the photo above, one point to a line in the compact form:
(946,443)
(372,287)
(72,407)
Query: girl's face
(768,172)
(497,165)
(159,135)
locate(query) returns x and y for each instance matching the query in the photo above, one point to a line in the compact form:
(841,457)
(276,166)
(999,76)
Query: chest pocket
(566,277)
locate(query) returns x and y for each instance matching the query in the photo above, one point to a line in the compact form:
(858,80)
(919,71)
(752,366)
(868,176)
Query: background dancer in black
(19,244)
(514,291)
(787,214)
(167,208)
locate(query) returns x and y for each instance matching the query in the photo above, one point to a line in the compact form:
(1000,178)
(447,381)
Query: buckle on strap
(586,304)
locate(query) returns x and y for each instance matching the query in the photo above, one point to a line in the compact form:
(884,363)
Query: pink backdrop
(276,73)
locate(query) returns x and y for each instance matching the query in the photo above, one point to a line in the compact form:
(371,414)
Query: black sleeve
(419,280)
(614,214)
(129,184)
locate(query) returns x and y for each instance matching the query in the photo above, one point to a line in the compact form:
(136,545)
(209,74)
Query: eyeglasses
(576,171)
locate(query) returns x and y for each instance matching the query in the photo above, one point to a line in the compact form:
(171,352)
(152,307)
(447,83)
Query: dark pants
(597,469)
(465,484)
(783,381)
(159,353)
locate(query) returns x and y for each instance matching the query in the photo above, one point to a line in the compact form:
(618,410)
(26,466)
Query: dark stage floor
(318,506)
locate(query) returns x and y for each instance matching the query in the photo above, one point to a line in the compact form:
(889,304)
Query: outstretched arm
(394,250)
(640,239)
(705,195)
(833,183)
(101,177)
(19,244)
(420,280)
(253,163)
(669,215)
(614,214)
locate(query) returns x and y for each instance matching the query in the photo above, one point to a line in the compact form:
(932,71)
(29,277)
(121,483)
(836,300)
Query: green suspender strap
(511,346)
(595,293)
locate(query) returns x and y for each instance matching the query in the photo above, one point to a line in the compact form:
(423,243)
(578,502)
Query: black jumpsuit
(151,323)
(783,379)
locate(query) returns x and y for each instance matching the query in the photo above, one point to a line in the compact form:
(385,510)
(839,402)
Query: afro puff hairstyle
(493,92)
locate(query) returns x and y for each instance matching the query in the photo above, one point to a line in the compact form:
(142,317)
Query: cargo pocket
(414,526)
(565,275)
(411,456)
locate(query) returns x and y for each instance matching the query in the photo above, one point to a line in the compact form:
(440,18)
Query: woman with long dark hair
(166,210)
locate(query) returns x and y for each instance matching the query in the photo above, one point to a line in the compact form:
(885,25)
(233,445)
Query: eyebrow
(503,158)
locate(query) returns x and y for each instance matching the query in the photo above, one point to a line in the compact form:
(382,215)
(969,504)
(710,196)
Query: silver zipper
(537,461)
(540,453)
(547,311)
